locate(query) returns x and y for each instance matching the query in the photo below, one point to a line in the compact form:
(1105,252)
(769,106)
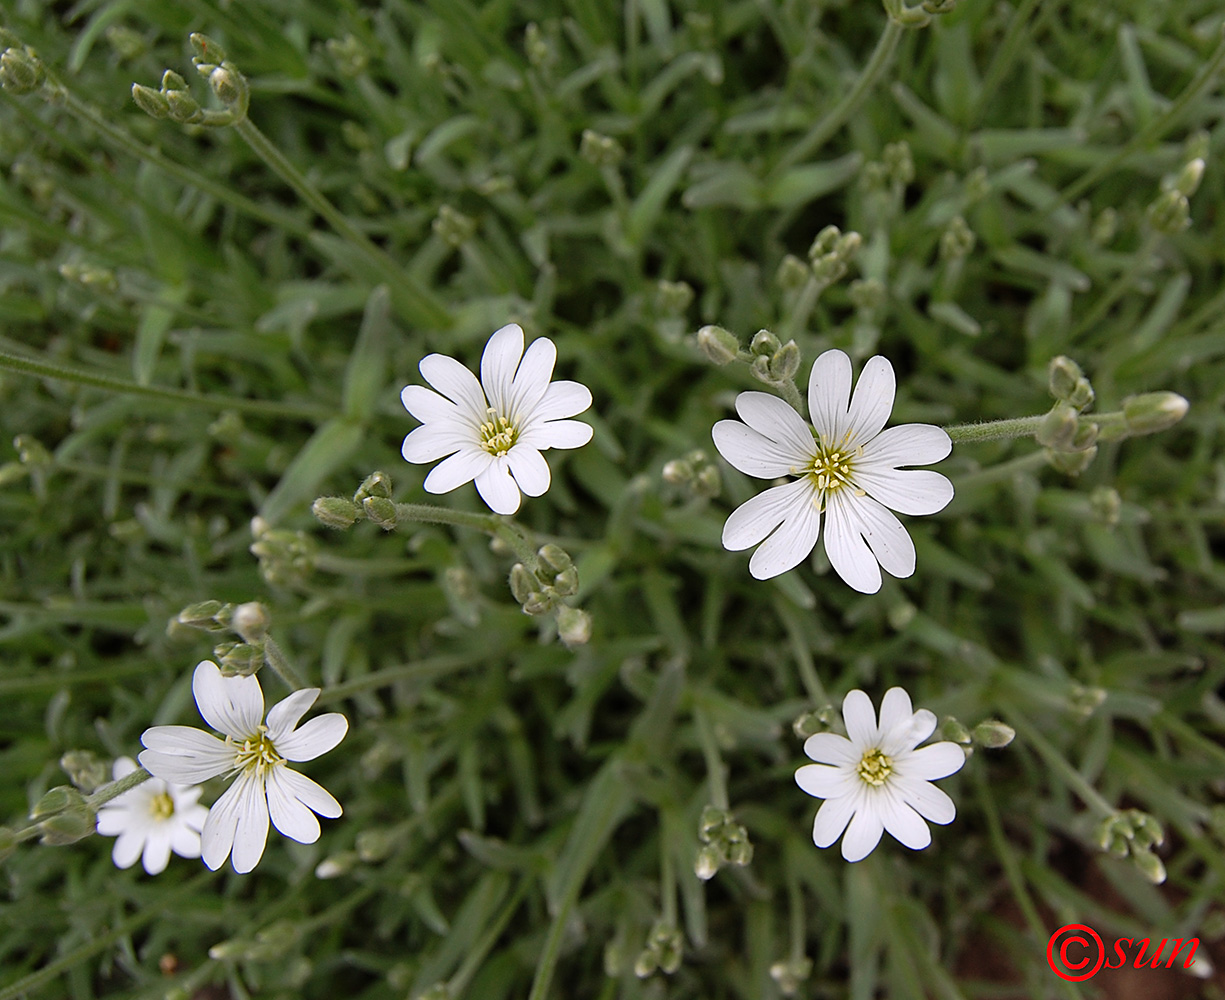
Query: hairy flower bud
(1150,866)
(86,770)
(336,512)
(1153,411)
(573,626)
(151,102)
(250,620)
(1062,375)
(381,511)
(994,734)
(1058,427)
(21,71)
(719,346)
(706,866)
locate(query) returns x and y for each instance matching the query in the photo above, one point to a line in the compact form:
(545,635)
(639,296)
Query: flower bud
(785,362)
(1187,182)
(677,472)
(555,557)
(523,582)
(1071,463)
(86,770)
(377,484)
(1105,227)
(172,81)
(21,71)
(708,483)
(712,819)
(867,294)
(1062,375)
(230,86)
(250,621)
(381,511)
(1058,427)
(789,975)
(764,344)
(1082,393)
(573,626)
(646,963)
(707,864)
(150,101)
(738,853)
(566,582)
(994,734)
(1170,213)
(201,615)
(1153,411)
(953,730)
(183,108)
(68,827)
(1150,866)
(669,946)
(792,273)
(899,162)
(56,800)
(808,724)
(957,240)
(537,47)
(336,512)
(238,659)
(1148,831)
(336,865)
(539,602)
(719,346)
(208,52)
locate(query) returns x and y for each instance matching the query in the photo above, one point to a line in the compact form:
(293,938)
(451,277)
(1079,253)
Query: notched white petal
(752,453)
(231,705)
(286,713)
(315,737)
(829,393)
(497,488)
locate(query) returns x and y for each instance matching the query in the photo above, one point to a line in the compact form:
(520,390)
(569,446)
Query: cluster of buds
(349,55)
(1170,212)
(543,590)
(831,253)
(600,150)
(1132,833)
(957,240)
(286,558)
(919,16)
(453,227)
(269,944)
(885,180)
(64,816)
(773,363)
(789,975)
(174,101)
(1069,441)
(672,301)
(86,770)
(372,500)
(1084,701)
(695,474)
(820,720)
(21,71)
(724,842)
(539,49)
(88,276)
(663,951)
(248,621)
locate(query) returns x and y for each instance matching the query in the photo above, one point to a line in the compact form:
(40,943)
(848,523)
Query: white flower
(877,780)
(257,754)
(847,467)
(494,430)
(151,820)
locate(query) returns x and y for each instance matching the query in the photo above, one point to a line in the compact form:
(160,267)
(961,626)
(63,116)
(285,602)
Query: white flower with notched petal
(847,467)
(257,754)
(494,430)
(151,820)
(877,780)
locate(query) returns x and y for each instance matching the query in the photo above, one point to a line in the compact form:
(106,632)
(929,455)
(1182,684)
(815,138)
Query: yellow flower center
(875,768)
(832,467)
(256,752)
(162,806)
(498,434)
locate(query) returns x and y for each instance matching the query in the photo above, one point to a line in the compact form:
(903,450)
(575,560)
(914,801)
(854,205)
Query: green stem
(163,907)
(1057,762)
(716,773)
(797,319)
(420,303)
(428,513)
(1005,55)
(118,787)
(1156,128)
(792,395)
(552,948)
(995,430)
(63,97)
(458,983)
(667,881)
(275,657)
(44,369)
(842,111)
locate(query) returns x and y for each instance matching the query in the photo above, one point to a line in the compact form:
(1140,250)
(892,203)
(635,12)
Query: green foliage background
(519,810)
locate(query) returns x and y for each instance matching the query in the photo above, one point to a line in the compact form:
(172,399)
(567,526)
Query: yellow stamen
(833,466)
(875,768)
(256,752)
(162,806)
(498,433)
